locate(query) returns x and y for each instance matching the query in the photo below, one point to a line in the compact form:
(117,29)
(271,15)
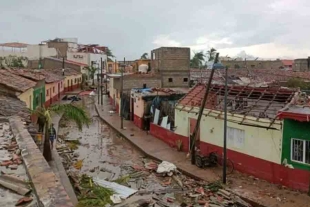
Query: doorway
(58,91)
(132,109)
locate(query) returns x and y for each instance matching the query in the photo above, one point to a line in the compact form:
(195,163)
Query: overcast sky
(261,28)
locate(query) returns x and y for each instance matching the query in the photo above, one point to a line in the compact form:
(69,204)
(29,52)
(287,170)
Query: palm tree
(71,112)
(109,54)
(211,54)
(144,56)
(92,70)
(197,60)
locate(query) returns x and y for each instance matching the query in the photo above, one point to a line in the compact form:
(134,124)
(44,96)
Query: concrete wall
(254,64)
(61,47)
(27,97)
(57,64)
(258,142)
(34,51)
(135,82)
(15,52)
(173,63)
(139,106)
(301,65)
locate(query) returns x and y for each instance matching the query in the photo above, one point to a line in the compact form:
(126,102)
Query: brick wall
(254,64)
(173,64)
(300,65)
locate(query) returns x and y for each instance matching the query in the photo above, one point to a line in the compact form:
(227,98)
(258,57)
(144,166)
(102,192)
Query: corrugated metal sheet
(121,190)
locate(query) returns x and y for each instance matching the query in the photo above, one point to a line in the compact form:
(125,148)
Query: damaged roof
(29,74)
(260,102)
(15,82)
(256,77)
(50,76)
(158,91)
(68,71)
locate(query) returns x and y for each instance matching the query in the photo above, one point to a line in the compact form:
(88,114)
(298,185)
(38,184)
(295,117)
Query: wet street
(101,154)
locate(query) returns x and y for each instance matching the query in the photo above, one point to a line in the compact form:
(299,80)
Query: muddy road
(100,153)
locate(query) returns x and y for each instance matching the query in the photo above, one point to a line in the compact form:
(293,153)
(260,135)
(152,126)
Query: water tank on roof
(143,68)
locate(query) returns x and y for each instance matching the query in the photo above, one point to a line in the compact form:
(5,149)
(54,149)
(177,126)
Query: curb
(61,169)
(253,203)
(47,188)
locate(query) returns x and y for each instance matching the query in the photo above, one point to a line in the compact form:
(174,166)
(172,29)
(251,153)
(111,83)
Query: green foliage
(92,70)
(109,53)
(94,195)
(297,83)
(72,112)
(211,54)
(13,61)
(122,180)
(144,56)
(198,59)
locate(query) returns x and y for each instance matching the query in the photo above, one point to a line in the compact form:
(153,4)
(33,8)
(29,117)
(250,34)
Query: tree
(197,60)
(70,112)
(211,54)
(92,70)
(144,56)
(297,83)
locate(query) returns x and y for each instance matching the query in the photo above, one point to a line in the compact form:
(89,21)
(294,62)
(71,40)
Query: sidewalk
(57,165)
(258,192)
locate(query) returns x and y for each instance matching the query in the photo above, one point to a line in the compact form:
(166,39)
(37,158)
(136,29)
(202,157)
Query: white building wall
(33,52)
(255,141)
(79,57)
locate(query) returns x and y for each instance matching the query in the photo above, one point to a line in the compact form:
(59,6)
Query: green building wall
(298,130)
(37,93)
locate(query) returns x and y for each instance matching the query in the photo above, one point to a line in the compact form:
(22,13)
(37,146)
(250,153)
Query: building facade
(173,64)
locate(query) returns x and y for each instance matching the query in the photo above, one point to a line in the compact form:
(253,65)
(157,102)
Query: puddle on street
(108,156)
(100,153)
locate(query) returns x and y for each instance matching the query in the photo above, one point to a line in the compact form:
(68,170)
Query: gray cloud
(132,27)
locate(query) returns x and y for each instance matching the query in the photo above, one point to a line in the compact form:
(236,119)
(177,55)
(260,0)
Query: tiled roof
(255,75)
(287,62)
(68,71)
(262,102)
(67,61)
(14,44)
(50,76)
(29,74)
(15,82)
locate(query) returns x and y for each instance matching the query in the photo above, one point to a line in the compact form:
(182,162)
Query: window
(60,84)
(170,80)
(300,150)
(37,100)
(54,89)
(235,137)
(47,93)
(144,85)
(153,54)
(185,80)
(74,80)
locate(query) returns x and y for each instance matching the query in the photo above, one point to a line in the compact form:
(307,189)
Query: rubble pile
(14,188)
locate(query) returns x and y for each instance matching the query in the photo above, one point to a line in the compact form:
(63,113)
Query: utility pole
(201,109)
(98,88)
(101,83)
(225,128)
(122,74)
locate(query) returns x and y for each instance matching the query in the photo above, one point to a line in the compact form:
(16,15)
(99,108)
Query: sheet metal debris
(121,190)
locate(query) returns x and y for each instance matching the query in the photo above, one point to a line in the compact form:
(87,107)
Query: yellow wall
(27,97)
(49,88)
(114,68)
(72,77)
(258,142)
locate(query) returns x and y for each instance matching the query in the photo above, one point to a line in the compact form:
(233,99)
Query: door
(132,109)
(192,125)
(71,85)
(68,85)
(41,99)
(51,96)
(58,91)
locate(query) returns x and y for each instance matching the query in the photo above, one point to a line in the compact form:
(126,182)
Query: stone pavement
(48,190)
(242,185)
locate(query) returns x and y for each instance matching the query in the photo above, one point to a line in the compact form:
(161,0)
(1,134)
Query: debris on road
(14,184)
(166,167)
(23,201)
